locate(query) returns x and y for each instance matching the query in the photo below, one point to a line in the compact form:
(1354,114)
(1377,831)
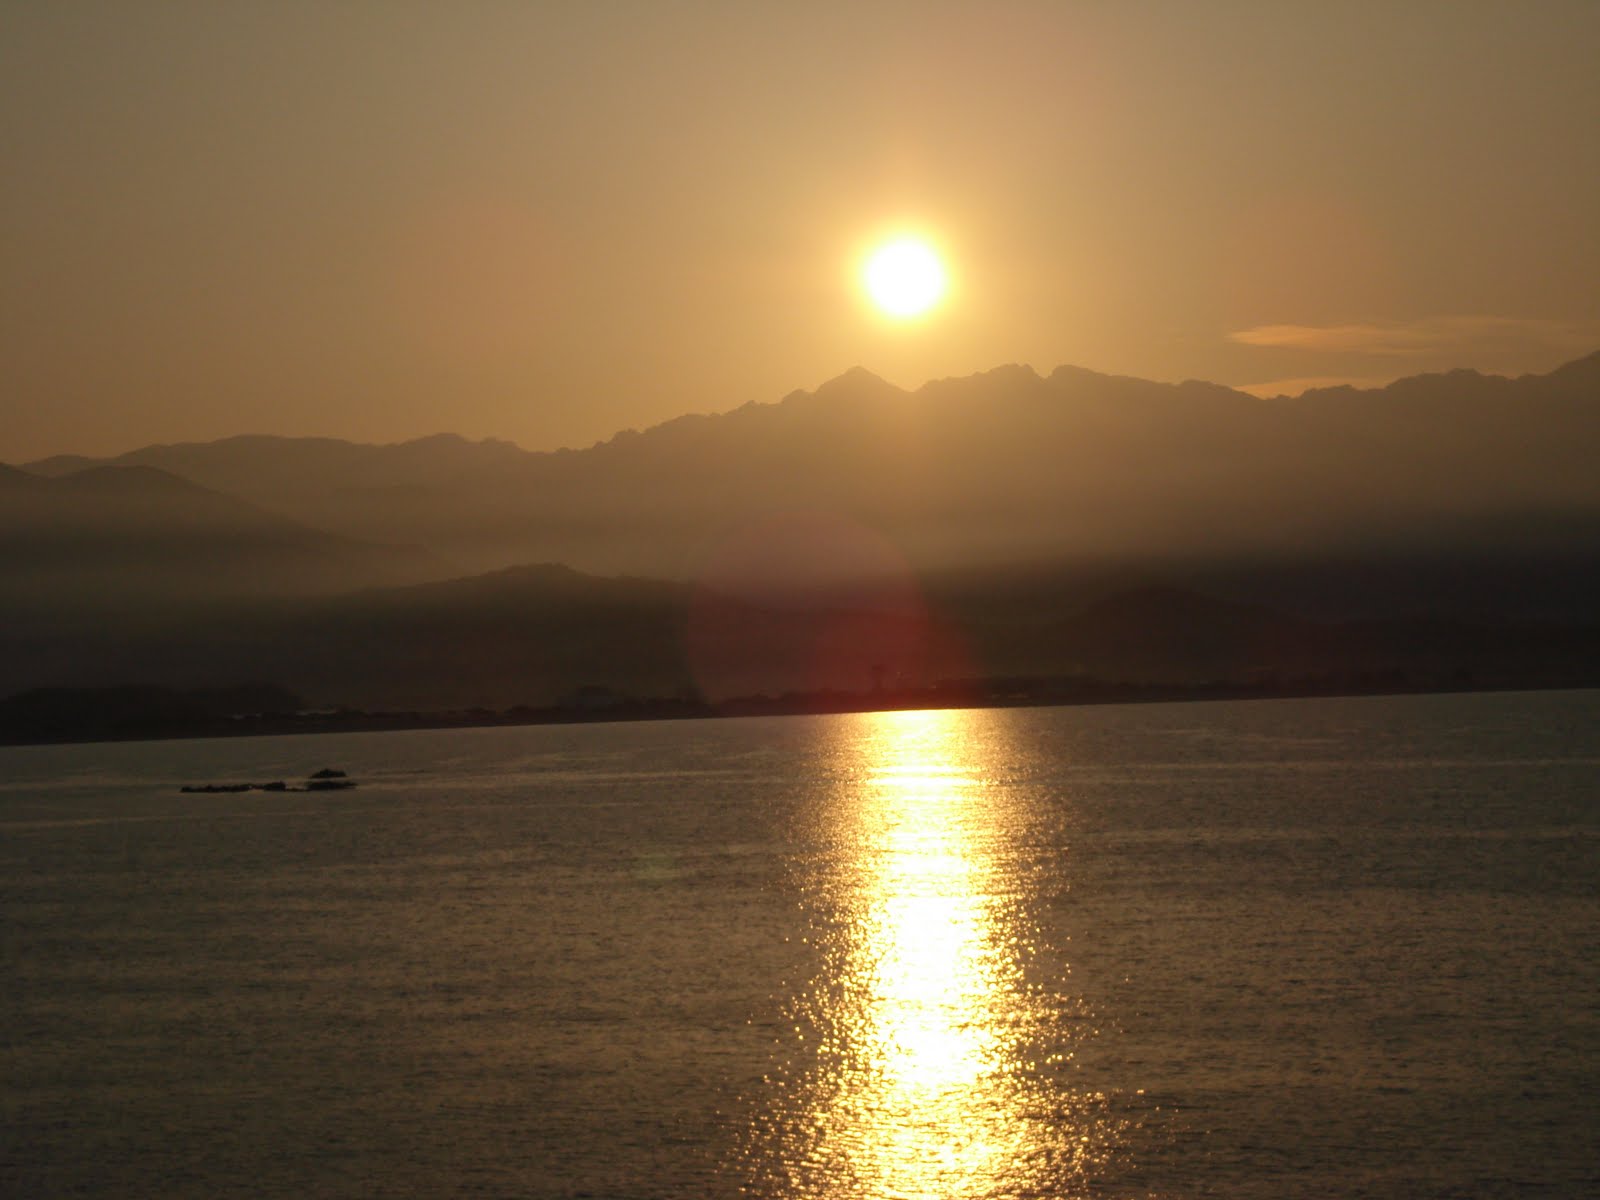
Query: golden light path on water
(938,1069)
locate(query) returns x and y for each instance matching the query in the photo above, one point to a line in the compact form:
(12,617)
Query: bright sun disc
(904,277)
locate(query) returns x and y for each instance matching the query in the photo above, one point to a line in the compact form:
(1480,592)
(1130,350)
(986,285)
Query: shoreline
(1035,694)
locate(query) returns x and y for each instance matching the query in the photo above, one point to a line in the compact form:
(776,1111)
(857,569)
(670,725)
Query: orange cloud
(1430,335)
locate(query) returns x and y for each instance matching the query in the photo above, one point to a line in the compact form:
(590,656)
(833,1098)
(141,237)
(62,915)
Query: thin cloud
(1431,335)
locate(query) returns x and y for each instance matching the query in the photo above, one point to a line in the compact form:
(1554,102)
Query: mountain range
(1000,467)
(858,536)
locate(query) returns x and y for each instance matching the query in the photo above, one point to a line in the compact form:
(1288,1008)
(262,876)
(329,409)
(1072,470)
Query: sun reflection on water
(933,1064)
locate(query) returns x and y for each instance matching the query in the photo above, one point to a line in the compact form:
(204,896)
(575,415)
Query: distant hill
(260,466)
(522,635)
(119,535)
(1005,466)
(1446,528)
(380,493)
(535,635)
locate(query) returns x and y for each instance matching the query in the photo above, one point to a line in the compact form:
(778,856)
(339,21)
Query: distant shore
(608,709)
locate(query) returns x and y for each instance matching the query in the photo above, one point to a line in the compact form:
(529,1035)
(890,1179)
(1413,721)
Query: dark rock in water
(325,780)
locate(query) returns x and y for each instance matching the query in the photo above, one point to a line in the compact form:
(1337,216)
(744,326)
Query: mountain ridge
(1003,466)
(1583,371)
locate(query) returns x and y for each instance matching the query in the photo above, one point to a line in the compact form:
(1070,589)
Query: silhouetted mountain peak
(1580,372)
(1430,383)
(1007,375)
(1203,389)
(1066,372)
(856,384)
(1429,387)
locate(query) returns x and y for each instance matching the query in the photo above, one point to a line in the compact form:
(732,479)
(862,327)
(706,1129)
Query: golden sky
(546,222)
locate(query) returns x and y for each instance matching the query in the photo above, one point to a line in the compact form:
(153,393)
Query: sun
(904,277)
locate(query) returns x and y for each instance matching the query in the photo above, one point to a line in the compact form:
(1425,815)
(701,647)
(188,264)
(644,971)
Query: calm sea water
(1309,948)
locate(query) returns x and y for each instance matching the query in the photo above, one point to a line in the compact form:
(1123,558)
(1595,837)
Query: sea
(1290,948)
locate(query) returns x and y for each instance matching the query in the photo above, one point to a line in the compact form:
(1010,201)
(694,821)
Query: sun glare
(904,277)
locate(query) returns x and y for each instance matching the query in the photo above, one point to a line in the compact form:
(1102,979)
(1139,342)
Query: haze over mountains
(1006,466)
(125,534)
(1005,523)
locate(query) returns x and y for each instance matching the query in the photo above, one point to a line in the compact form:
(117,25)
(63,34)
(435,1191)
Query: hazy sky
(546,222)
